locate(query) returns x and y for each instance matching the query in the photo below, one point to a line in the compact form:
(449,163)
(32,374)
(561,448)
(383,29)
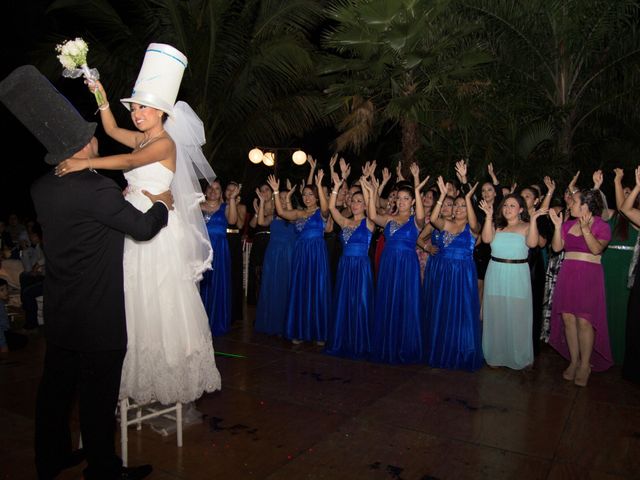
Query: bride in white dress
(170,355)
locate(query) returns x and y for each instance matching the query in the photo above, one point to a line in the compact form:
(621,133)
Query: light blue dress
(273,302)
(507,305)
(353,296)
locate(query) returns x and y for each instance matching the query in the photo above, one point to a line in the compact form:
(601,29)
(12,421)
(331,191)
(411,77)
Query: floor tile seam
(564,431)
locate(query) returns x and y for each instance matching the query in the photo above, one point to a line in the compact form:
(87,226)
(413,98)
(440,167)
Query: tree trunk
(410,143)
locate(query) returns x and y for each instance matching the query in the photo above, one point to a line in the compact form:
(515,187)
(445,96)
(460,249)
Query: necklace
(146,142)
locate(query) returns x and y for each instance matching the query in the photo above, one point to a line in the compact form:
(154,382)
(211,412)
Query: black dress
(538,277)
(256,257)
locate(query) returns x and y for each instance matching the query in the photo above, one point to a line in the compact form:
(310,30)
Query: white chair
(145,412)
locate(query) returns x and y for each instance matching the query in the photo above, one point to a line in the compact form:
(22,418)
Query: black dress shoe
(135,473)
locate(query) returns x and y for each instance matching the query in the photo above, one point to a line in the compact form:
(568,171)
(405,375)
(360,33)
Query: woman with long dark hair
(397,332)
(310,297)
(508,312)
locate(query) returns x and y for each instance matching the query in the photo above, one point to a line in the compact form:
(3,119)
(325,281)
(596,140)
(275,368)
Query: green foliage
(251,74)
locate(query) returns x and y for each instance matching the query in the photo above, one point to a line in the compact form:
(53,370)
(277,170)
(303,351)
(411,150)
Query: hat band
(149,100)
(163,52)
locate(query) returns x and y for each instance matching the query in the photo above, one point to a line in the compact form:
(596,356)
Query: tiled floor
(290,412)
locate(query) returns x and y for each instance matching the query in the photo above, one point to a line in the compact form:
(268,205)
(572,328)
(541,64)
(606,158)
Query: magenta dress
(580,291)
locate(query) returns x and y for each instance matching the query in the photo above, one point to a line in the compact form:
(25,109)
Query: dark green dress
(616,260)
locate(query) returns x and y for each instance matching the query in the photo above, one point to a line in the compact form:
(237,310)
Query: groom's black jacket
(84,218)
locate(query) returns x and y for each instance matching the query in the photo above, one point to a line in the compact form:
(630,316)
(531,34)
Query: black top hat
(47,113)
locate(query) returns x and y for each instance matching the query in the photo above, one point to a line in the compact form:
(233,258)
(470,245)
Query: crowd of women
(453,275)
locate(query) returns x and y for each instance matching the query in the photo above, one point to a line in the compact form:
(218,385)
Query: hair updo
(593,200)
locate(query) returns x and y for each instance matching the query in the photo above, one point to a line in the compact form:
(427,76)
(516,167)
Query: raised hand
(492,173)
(472,191)
(486,207)
(550,184)
(259,195)
(235,192)
(461,171)
(619,174)
(556,218)
(289,186)
(318,178)
(386,175)
(332,161)
(365,169)
(574,181)
(345,168)
(273,183)
(399,175)
(598,178)
(290,192)
(312,162)
(585,222)
(514,185)
(442,186)
(638,177)
(336,180)
(539,213)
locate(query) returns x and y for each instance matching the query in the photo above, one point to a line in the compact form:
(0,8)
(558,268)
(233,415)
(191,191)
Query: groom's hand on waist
(165,197)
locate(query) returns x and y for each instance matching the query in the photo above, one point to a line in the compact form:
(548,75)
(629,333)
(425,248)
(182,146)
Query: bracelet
(104,106)
(573,192)
(439,202)
(275,192)
(333,192)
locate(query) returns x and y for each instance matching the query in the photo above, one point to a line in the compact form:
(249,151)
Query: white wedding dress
(170,355)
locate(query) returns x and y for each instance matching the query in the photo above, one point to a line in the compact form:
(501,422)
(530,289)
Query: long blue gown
(310,299)
(215,287)
(353,295)
(452,304)
(273,301)
(397,332)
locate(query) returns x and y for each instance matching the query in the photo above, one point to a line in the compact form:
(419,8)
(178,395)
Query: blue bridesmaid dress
(310,298)
(353,296)
(452,305)
(273,301)
(215,287)
(398,333)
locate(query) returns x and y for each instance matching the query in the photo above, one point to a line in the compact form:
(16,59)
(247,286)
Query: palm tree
(251,63)
(394,62)
(572,60)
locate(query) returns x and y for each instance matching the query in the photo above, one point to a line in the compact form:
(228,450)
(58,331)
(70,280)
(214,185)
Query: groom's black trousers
(95,378)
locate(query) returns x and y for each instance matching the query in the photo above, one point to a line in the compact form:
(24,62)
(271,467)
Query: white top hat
(159,78)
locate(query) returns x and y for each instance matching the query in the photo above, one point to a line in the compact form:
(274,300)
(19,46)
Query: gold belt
(233,230)
(582,257)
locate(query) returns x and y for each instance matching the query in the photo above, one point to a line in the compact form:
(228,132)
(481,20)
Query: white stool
(145,412)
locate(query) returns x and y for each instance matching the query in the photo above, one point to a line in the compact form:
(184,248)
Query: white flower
(67,62)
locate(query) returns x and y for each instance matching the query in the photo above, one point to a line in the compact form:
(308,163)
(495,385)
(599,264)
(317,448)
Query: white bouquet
(73,57)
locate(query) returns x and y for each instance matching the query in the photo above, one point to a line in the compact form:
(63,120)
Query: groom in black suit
(84,218)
